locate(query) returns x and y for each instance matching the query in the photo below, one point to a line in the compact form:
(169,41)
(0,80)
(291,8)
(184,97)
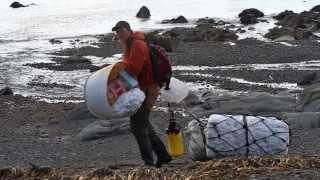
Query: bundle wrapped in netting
(237,135)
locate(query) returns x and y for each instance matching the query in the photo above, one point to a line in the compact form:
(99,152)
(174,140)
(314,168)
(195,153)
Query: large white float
(95,93)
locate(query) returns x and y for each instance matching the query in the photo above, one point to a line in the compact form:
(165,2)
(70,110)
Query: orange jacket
(137,60)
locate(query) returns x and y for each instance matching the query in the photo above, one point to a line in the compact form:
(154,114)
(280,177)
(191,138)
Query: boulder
(55,41)
(303,120)
(284,38)
(217,34)
(76,59)
(315,9)
(250,16)
(167,42)
(239,30)
(302,34)
(264,20)
(186,34)
(178,20)
(297,33)
(252,12)
(192,99)
(284,14)
(206,20)
(305,20)
(221,23)
(278,33)
(6,91)
(103,129)
(202,32)
(308,79)
(17,5)
(251,28)
(248,19)
(253,104)
(309,99)
(231,26)
(143,13)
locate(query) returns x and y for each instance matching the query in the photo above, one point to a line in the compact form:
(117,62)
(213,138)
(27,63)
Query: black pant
(147,138)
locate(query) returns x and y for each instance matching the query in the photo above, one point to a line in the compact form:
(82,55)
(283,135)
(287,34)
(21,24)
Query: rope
(244,127)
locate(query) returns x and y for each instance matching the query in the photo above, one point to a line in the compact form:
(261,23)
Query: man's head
(123,31)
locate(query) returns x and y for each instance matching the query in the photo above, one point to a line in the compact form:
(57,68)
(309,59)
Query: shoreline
(232,74)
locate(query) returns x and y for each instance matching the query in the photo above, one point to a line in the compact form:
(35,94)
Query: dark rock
(315,9)
(186,34)
(276,32)
(202,32)
(309,100)
(179,19)
(75,62)
(192,99)
(307,79)
(249,16)
(239,30)
(17,5)
(302,34)
(6,91)
(144,13)
(264,21)
(251,28)
(255,104)
(284,14)
(248,19)
(169,43)
(55,41)
(50,85)
(105,37)
(297,33)
(218,34)
(76,59)
(231,26)
(252,12)
(206,20)
(221,23)
(304,20)
(303,120)
(64,67)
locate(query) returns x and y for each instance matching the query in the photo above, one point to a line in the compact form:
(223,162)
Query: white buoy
(96,93)
(177,92)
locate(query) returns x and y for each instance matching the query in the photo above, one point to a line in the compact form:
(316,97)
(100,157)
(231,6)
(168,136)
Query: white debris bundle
(129,102)
(239,135)
(196,141)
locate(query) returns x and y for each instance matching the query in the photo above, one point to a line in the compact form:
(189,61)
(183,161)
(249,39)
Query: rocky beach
(230,68)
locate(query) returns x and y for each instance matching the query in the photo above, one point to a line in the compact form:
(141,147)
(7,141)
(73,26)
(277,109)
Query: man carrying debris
(138,64)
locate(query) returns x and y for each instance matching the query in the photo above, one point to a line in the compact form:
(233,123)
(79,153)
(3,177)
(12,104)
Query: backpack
(161,66)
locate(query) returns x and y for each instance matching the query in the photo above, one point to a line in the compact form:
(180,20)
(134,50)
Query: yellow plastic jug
(175,143)
(174,137)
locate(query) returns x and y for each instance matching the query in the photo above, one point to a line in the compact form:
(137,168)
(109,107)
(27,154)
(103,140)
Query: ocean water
(24,32)
(64,18)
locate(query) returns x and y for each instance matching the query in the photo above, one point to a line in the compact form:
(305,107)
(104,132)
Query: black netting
(250,139)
